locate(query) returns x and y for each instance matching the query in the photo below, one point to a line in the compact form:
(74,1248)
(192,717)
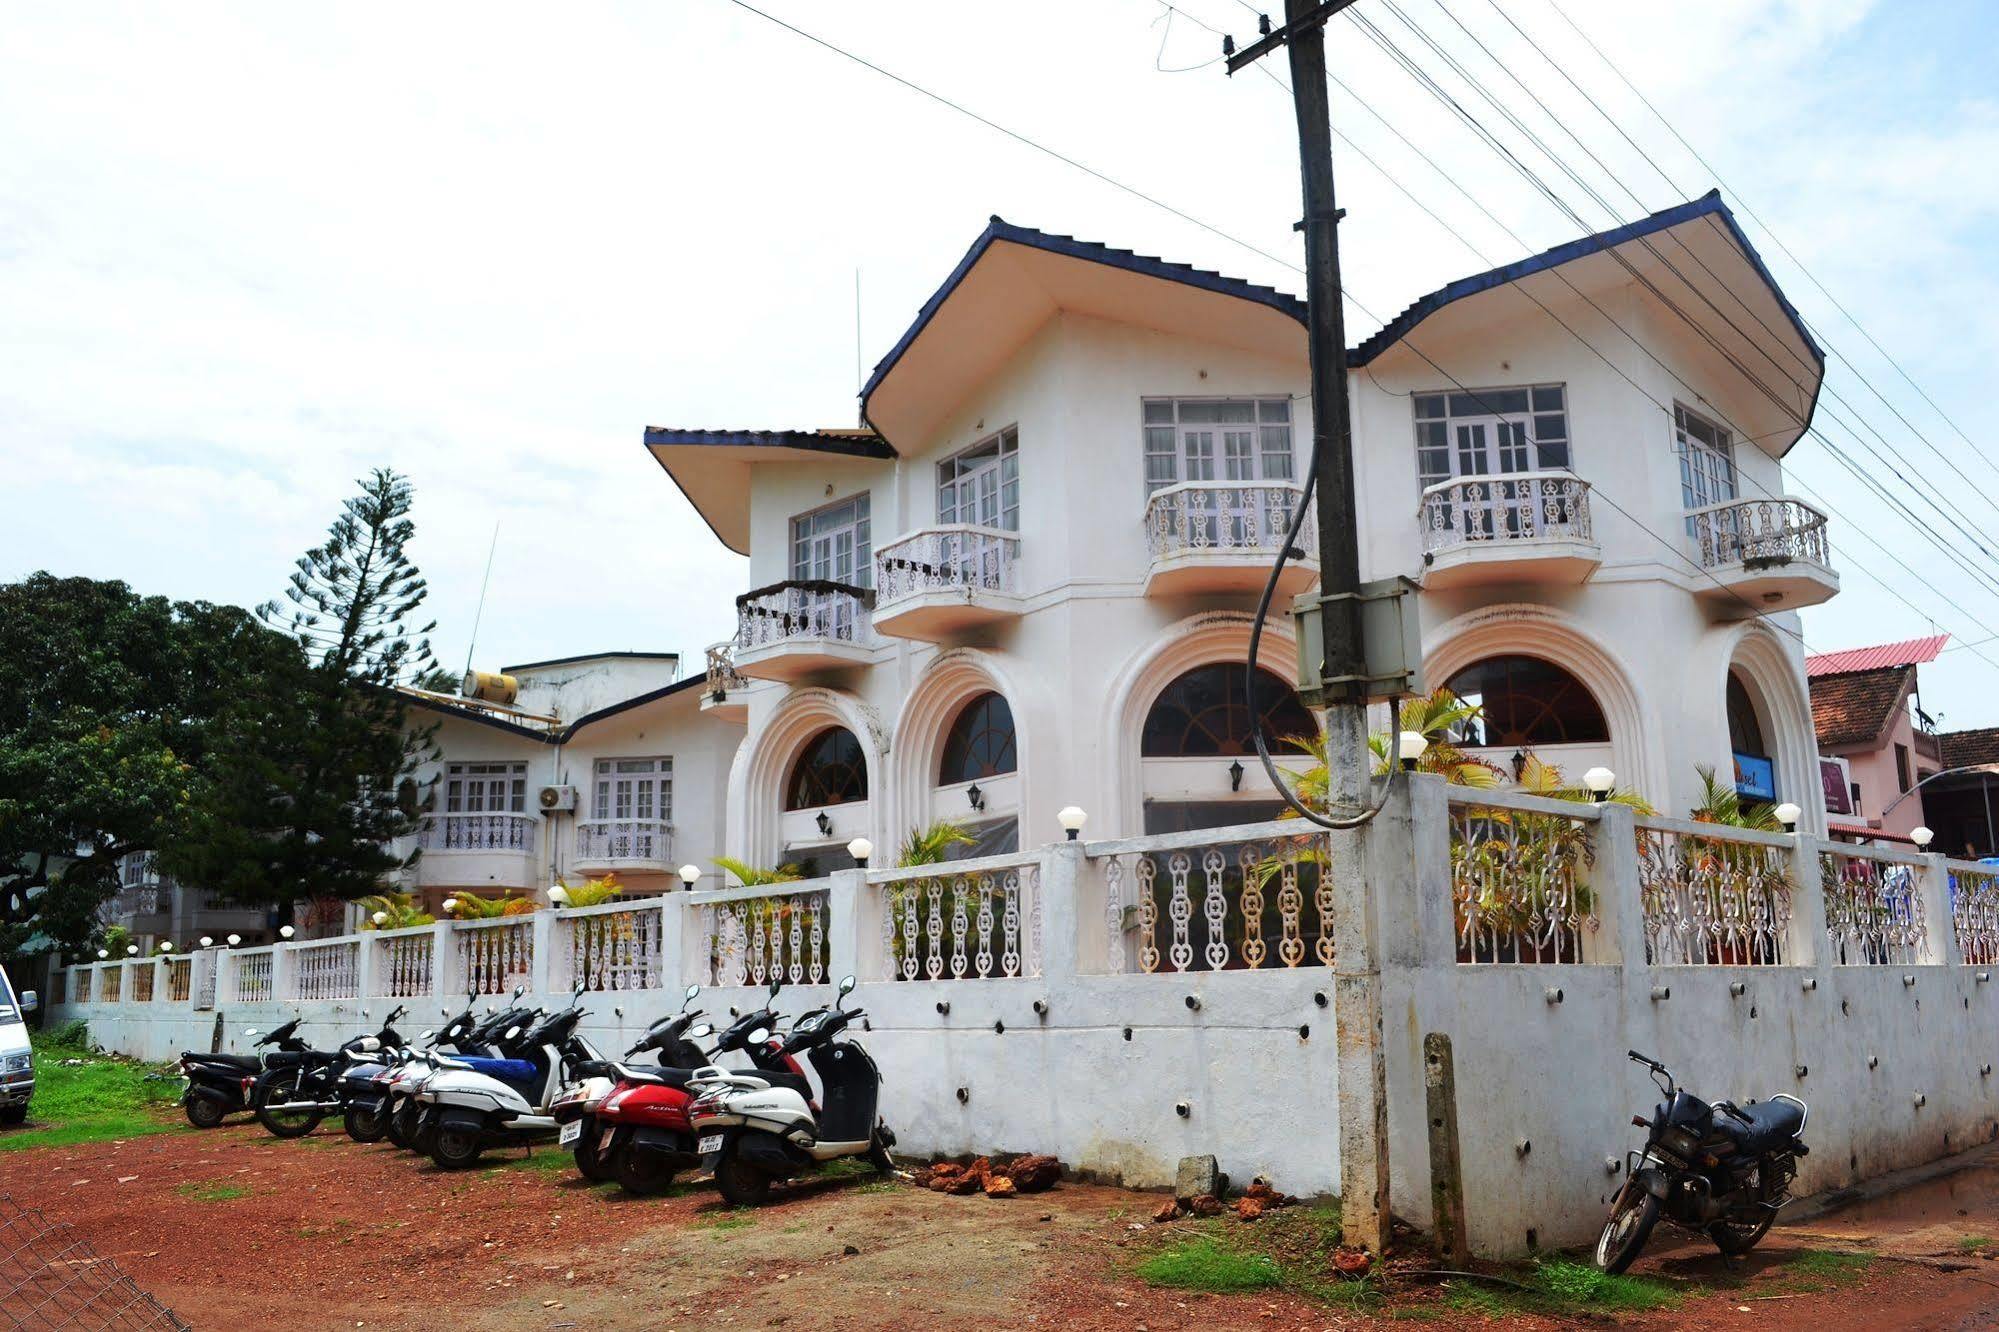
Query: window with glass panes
(1216,439)
(1707,459)
(832,544)
(981,486)
(1484,432)
(485,788)
(633,789)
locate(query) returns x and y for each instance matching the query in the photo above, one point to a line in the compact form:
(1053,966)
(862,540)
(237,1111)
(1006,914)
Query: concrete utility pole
(1343,673)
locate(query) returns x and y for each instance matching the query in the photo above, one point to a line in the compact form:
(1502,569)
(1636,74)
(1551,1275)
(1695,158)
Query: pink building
(1875,743)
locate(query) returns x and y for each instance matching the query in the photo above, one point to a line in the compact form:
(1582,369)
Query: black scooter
(1719,1170)
(219,1085)
(299,1088)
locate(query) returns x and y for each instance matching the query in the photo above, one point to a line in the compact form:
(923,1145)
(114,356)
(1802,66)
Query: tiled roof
(1853,709)
(1963,748)
(860,443)
(1911,652)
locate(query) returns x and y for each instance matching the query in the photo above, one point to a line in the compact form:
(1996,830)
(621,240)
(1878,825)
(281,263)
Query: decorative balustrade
(110,982)
(247,978)
(1758,533)
(1252,898)
(1225,517)
(624,841)
(753,938)
(1974,912)
(1511,506)
(405,963)
(141,988)
(948,558)
(1874,914)
(1713,897)
(495,956)
(722,674)
(180,979)
(612,947)
(802,609)
(969,920)
(1519,878)
(328,970)
(507,833)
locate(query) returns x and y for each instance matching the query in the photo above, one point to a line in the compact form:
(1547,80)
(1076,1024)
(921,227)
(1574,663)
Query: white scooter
(752,1132)
(487,1102)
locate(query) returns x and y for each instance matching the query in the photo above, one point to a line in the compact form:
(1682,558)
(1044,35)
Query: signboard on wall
(1755,777)
(1838,788)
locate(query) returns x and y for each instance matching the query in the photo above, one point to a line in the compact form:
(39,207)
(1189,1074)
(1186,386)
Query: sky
(249,252)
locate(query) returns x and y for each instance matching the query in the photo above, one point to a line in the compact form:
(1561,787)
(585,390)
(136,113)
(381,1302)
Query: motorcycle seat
(1772,1124)
(662,1077)
(302,1059)
(506,1070)
(781,1078)
(238,1063)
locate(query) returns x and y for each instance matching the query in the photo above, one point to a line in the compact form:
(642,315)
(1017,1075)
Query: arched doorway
(825,802)
(1197,752)
(1531,705)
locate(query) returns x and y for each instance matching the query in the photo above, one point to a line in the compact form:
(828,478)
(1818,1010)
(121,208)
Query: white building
(1033,573)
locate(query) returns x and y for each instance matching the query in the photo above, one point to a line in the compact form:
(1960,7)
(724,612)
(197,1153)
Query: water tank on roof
(490,687)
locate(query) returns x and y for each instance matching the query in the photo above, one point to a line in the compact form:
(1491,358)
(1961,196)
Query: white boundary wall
(1896,1055)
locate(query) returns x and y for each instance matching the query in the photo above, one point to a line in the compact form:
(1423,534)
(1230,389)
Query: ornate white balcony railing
(778,932)
(1225,517)
(1250,898)
(722,674)
(1511,506)
(479,832)
(1713,897)
(1760,533)
(405,962)
(612,947)
(624,841)
(1520,878)
(948,558)
(495,955)
(329,970)
(801,609)
(247,975)
(978,920)
(1974,913)
(1874,912)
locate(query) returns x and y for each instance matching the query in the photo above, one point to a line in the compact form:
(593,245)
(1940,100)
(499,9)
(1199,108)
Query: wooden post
(1447,1185)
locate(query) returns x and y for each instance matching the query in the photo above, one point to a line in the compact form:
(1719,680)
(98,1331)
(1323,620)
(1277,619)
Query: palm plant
(1721,803)
(751,876)
(594,892)
(932,845)
(1544,779)
(399,911)
(1437,717)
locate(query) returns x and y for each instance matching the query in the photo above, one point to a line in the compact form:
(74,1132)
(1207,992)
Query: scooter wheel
(591,1165)
(456,1148)
(879,1157)
(740,1183)
(397,1130)
(204,1112)
(1630,1224)
(365,1125)
(272,1108)
(642,1173)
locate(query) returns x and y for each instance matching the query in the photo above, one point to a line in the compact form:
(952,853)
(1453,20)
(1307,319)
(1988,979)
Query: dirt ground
(231,1225)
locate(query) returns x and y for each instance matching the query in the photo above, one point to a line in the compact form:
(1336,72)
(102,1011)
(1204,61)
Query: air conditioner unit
(558,799)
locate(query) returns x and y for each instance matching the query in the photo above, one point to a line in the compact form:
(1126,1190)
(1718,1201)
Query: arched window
(1201,714)
(1527,701)
(1745,733)
(980,742)
(830,771)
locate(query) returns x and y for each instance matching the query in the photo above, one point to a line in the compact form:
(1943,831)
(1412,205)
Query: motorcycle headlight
(1680,1143)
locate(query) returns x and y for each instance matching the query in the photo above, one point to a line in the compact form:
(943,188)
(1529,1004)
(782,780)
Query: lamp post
(1922,837)
(860,849)
(1072,818)
(1410,747)
(558,895)
(690,874)
(285,931)
(1598,782)
(1788,814)
(207,941)
(235,939)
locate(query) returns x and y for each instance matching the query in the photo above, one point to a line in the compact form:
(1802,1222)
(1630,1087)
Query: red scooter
(644,1134)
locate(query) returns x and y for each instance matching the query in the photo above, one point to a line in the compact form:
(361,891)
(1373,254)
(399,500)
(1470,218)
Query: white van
(17,1059)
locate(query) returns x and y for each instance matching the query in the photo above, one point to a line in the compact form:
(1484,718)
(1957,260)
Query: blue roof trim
(998,229)
(1708,204)
(855,446)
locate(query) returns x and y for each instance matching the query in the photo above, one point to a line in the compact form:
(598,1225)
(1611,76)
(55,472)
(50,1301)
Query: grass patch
(733,1219)
(536,1163)
(845,1167)
(1202,1264)
(101,1098)
(212,1192)
(1582,1286)
(1825,1269)
(1973,1243)
(889,1185)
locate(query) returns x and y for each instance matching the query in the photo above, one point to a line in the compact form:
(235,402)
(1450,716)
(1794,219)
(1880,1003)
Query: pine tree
(319,776)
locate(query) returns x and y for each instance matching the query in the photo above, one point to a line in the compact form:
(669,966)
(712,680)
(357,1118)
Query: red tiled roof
(1912,652)
(1963,748)
(1853,709)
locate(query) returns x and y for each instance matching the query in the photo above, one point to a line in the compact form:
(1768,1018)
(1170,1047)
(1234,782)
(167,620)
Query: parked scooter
(755,1129)
(407,1126)
(1719,1170)
(575,1108)
(299,1088)
(219,1085)
(489,1102)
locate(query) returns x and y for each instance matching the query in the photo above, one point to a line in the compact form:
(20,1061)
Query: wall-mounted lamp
(1235,775)
(825,823)
(558,895)
(1788,814)
(1410,747)
(975,797)
(1922,837)
(1518,763)
(690,874)
(860,849)
(1072,818)
(1598,782)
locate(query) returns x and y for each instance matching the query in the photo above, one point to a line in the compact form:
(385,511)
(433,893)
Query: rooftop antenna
(484,583)
(859,381)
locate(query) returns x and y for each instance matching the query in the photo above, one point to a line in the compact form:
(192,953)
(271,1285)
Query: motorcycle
(1719,1170)
(299,1087)
(219,1085)
(362,1085)
(756,1128)
(575,1108)
(476,1103)
(407,1126)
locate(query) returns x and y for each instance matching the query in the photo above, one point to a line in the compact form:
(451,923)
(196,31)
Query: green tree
(108,711)
(316,775)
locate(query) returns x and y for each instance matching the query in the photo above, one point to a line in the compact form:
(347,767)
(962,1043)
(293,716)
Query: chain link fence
(50,1279)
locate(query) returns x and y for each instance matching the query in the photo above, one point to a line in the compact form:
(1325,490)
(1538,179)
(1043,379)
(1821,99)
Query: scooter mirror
(520,990)
(759,1036)
(704,1029)
(249,1031)
(427,1035)
(846,985)
(692,991)
(775,986)
(734,1011)
(513,1032)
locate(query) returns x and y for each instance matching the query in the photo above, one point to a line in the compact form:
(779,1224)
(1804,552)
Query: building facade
(1877,747)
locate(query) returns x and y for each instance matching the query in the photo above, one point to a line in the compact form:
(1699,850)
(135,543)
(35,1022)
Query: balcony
(478,850)
(1220,536)
(801,627)
(722,694)
(943,580)
(1771,553)
(1508,528)
(630,844)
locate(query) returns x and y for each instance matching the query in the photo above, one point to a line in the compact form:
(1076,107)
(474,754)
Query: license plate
(572,1133)
(711,1143)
